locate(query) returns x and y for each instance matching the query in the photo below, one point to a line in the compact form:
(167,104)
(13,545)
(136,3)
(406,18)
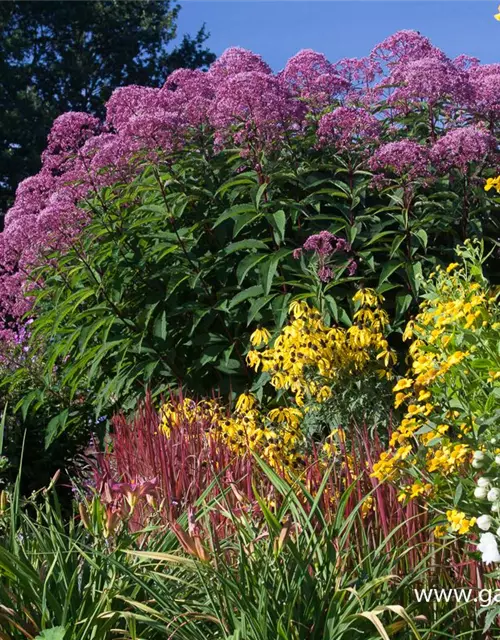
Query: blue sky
(278,29)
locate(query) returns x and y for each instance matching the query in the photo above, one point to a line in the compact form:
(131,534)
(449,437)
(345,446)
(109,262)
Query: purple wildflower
(429,79)
(325,273)
(325,243)
(234,61)
(348,127)
(310,76)
(352,267)
(459,147)
(403,158)
(252,108)
(485,83)
(404,46)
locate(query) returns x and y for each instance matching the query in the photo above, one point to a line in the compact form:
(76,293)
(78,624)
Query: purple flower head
(252,107)
(68,134)
(402,158)
(429,79)
(310,76)
(352,267)
(358,72)
(190,83)
(127,102)
(158,129)
(237,60)
(485,83)
(31,194)
(459,147)
(348,127)
(325,274)
(404,46)
(193,92)
(325,243)
(112,158)
(464,62)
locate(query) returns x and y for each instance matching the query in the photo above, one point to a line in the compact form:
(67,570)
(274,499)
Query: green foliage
(26,415)
(364,400)
(60,56)
(56,633)
(56,582)
(288,571)
(176,267)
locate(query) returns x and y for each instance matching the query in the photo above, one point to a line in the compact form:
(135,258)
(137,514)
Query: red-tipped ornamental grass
(151,474)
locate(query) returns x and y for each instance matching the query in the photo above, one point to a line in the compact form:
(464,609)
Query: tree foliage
(69,56)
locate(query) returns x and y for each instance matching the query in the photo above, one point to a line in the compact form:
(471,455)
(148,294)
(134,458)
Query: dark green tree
(61,56)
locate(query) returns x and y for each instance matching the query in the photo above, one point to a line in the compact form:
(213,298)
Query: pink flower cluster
(347,128)
(404,158)
(458,148)
(349,105)
(324,244)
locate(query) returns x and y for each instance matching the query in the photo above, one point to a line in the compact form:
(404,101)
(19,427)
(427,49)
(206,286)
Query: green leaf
(278,222)
(234,183)
(247,264)
(234,212)
(458,494)
(259,194)
(160,326)
(56,633)
(422,236)
(257,306)
(268,271)
(414,272)
(396,243)
(332,307)
(388,269)
(55,427)
(280,309)
(242,221)
(403,301)
(244,244)
(251,292)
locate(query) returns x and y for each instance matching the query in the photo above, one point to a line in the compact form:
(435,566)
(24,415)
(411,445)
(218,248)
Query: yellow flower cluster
(187,411)
(305,359)
(308,355)
(459,304)
(415,490)
(458,522)
(274,435)
(493,183)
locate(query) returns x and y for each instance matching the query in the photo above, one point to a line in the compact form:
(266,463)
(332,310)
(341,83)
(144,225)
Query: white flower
(484,522)
(477,464)
(484,482)
(493,494)
(494,507)
(489,548)
(478,455)
(497,459)
(480,492)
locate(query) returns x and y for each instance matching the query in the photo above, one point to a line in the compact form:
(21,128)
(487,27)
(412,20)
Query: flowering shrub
(450,395)
(150,244)
(241,102)
(322,366)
